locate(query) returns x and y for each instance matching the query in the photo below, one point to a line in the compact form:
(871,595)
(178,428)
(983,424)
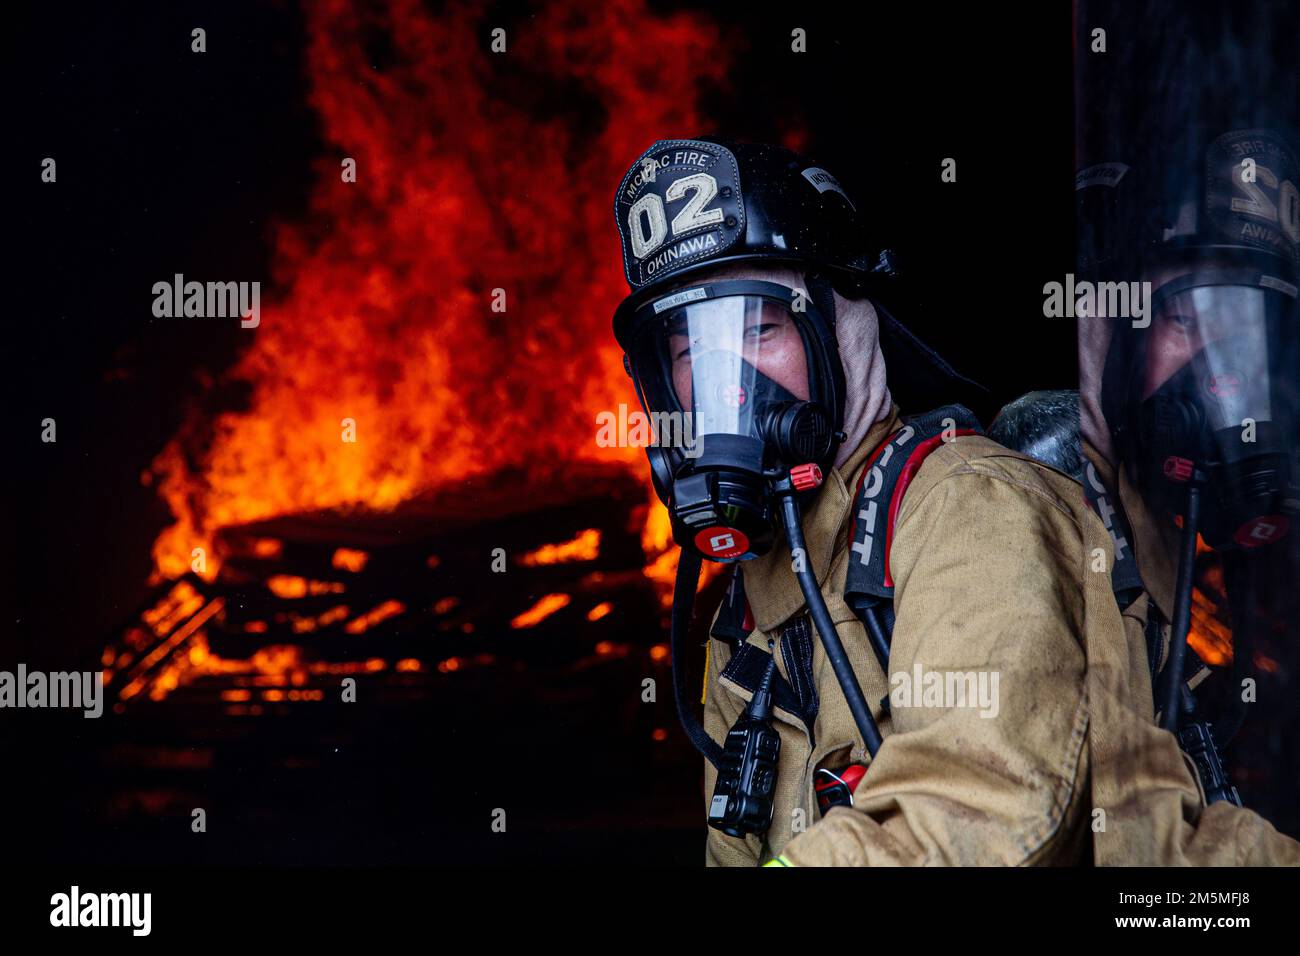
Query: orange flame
(446,314)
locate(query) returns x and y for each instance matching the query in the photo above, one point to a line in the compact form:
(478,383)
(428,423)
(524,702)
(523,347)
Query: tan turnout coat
(999,567)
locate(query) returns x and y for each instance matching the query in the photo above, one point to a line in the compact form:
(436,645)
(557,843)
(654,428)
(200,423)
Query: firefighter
(1188,422)
(898,672)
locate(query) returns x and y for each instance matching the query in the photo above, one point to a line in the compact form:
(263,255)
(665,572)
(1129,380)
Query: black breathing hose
(825,628)
(876,632)
(688,578)
(1172,676)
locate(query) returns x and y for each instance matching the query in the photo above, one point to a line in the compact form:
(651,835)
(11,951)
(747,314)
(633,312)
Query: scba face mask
(744,379)
(750,371)
(1212,387)
(1206,398)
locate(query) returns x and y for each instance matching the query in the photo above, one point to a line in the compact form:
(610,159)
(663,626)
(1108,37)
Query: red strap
(910,468)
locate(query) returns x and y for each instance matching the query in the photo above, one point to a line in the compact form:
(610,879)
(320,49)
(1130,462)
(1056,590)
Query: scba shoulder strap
(869,589)
(1124,578)
(1125,581)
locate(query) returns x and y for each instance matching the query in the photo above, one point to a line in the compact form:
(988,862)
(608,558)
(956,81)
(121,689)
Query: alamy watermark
(78,690)
(208,300)
(76,908)
(945,689)
(636,429)
(1086,300)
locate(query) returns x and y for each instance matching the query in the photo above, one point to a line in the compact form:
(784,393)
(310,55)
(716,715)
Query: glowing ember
(599,611)
(268,548)
(540,611)
(168,679)
(305,625)
(349,559)
(1266,663)
(289,586)
(585,547)
(180,603)
(177,656)
(368,620)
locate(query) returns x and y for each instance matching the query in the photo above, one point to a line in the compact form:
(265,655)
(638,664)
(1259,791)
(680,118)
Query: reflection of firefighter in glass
(1189,417)
(911,600)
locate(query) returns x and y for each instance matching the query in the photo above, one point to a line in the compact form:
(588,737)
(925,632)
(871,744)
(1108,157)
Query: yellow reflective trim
(778,861)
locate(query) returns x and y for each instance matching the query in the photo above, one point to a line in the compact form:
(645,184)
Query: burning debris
(231,693)
(387,402)
(302,600)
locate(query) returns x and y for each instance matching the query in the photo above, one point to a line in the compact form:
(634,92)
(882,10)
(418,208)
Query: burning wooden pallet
(491,573)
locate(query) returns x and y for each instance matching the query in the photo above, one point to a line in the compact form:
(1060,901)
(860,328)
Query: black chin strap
(688,577)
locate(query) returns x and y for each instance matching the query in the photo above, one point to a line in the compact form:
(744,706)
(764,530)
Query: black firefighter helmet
(687,206)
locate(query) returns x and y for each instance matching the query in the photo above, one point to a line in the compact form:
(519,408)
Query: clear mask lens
(1222,332)
(724,360)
